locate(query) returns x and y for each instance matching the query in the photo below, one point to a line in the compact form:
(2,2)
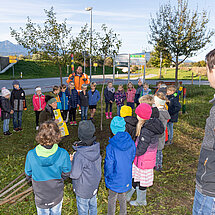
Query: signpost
(13,59)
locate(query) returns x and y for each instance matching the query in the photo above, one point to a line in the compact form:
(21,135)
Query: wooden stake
(19,200)
(12,182)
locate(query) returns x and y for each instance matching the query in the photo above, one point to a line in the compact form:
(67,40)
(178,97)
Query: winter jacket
(78,80)
(46,115)
(174,107)
(120,97)
(130,127)
(130,95)
(205,176)
(164,117)
(64,98)
(84,99)
(5,108)
(39,102)
(86,169)
(109,94)
(155,112)
(145,92)
(147,144)
(17,99)
(73,98)
(94,97)
(57,97)
(120,154)
(137,95)
(47,168)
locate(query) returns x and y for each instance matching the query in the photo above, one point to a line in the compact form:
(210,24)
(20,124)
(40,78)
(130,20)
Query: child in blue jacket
(64,101)
(73,102)
(47,165)
(94,97)
(120,154)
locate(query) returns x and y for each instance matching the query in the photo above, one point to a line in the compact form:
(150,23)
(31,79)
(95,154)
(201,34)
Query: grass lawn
(44,69)
(169,73)
(173,189)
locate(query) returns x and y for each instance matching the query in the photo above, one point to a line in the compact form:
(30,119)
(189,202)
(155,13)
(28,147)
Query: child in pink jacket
(130,95)
(39,104)
(147,132)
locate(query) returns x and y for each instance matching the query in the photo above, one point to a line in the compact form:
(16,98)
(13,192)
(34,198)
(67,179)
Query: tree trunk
(176,71)
(61,79)
(102,95)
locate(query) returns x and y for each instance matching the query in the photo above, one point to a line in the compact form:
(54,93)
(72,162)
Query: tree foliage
(53,39)
(180,31)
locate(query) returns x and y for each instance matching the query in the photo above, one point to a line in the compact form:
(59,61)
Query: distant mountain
(8,48)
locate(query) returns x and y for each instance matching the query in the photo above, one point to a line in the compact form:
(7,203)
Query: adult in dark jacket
(18,104)
(109,99)
(86,168)
(205,177)
(47,114)
(174,107)
(6,110)
(120,154)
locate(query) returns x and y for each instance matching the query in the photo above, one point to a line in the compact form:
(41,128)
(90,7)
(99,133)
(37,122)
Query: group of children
(133,152)
(12,105)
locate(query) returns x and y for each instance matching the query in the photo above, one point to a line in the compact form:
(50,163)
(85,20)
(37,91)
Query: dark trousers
(17,119)
(37,113)
(108,104)
(137,184)
(64,114)
(72,114)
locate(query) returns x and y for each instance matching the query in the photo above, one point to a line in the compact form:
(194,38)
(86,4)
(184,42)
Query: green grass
(173,189)
(169,73)
(44,69)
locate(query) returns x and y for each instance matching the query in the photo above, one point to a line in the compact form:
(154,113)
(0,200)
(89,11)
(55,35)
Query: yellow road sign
(12,61)
(12,57)
(95,64)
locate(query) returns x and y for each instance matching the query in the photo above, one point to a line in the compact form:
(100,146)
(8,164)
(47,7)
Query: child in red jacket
(39,104)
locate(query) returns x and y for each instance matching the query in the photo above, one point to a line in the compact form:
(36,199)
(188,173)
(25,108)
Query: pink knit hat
(144,111)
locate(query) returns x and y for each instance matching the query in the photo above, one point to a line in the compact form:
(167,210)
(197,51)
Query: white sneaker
(37,128)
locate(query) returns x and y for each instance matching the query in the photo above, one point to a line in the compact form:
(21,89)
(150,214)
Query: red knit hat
(144,111)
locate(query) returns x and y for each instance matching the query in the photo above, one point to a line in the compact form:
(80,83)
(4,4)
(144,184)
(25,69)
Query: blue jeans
(56,210)
(87,206)
(159,159)
(6,125)
(203,205)
(84,113)
(17,119)
(118,109)
(170,131)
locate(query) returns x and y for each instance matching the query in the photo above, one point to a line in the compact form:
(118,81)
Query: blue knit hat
(15,82)
(117,124)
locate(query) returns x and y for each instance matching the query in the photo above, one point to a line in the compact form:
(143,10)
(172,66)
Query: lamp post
(91,32)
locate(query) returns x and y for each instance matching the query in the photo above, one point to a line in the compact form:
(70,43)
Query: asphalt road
(47,83)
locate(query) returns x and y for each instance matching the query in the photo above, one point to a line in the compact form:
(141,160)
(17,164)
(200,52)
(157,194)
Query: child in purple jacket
(119,97)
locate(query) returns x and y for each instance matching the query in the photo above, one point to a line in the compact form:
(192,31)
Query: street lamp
(91,24)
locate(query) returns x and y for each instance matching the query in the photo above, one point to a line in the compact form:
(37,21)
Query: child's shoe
(74,123)
(129,194)
(16,129)
(71,123)
(141,198)
(106,114)
(9,133)
(110,115)
(20,129)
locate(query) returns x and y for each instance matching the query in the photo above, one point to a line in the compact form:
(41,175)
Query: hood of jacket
(155,126)
(90,152)
(131,120)
(122,141)
(47,157)
(155,112)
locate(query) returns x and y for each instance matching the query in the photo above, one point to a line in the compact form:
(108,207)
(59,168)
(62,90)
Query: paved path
(47,83)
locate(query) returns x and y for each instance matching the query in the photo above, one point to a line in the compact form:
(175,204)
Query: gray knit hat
(15,82)
(86,130)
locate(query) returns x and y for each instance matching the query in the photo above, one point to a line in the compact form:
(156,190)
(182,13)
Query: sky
(130,18)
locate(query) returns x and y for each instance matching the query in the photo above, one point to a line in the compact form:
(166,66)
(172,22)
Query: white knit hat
(5,92)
